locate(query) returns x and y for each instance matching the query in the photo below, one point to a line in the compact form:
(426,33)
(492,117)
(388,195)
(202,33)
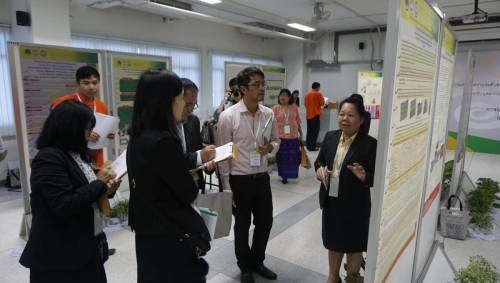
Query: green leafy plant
(481,200)
(120,210)
(479,270)
(448,171)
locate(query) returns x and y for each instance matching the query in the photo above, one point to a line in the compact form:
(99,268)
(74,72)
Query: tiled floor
(295,249)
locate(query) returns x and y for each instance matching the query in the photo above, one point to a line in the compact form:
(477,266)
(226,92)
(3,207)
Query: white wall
(136,25)
(5,11)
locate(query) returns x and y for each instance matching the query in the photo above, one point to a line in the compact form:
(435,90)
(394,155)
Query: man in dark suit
(196,154)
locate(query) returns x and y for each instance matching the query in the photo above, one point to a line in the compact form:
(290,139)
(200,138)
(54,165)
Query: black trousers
(164,259)
(312,132)
(251,195)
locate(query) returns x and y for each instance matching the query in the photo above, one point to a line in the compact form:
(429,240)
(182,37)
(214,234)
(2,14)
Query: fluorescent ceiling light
(161,6)
(301,27)
(211,1)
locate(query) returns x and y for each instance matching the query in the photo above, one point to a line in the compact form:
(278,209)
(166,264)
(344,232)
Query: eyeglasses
(192,106)
(261,84)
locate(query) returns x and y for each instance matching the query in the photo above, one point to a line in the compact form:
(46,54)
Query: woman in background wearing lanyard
(345,166)
(288,120)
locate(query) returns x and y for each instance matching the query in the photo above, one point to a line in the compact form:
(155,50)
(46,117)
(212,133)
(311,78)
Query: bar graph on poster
(413,90)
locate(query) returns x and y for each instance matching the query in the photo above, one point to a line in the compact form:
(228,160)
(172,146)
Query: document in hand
(104,125)
(326,177)
(223,152)
(119,166)
(268,128)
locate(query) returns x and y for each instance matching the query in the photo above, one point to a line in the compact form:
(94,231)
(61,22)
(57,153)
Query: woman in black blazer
(347,162)
(170,236)
(66,244)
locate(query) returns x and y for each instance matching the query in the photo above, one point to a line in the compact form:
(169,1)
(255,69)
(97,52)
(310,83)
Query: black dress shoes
(265,272)
(247,277)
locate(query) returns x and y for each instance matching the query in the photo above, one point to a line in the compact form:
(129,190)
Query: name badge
(334,187)
(255,158)
(287,129)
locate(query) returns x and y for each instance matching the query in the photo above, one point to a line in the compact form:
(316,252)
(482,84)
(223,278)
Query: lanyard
(250,126)
(78,96)
(287,114)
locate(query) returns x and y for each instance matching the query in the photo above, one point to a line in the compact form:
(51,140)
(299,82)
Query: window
(218,60)
(7,126)
(185,62)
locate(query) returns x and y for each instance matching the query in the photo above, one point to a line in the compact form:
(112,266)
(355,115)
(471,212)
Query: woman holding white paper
(170,236)
(345,166)
(66,241)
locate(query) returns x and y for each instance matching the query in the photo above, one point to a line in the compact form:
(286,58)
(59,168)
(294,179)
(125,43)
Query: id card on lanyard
(255,157)
(286,128)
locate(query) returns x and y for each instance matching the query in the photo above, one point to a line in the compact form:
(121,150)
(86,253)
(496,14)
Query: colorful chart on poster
(126,70)
(48,73)
(409,132)
(370,87)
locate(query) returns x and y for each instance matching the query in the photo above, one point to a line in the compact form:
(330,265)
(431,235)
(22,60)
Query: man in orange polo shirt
(313,101)
(88,80)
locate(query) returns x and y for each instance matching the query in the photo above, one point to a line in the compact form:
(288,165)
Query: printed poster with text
(275,81)
(409,132)
(370,87)
(484,119)
(438,138)
(125,76)
(47,74)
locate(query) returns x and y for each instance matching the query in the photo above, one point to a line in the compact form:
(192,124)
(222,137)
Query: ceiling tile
(457,11)
(346,24)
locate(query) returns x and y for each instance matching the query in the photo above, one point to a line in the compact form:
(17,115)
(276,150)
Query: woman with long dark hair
(346,165)
(288,120)
(66,242)
(170,236)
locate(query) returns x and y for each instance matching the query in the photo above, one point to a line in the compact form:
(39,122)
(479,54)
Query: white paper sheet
(104,125)
(223,152)
(119,166)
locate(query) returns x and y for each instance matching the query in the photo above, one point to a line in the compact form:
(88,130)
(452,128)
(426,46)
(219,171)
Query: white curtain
(217,62)
(7,126)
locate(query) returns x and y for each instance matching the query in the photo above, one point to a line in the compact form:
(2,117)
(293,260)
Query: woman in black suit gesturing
(345,165)
(170,236)
(66,242)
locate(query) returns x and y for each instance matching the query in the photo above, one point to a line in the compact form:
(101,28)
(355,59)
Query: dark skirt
(342,230)
(163,259)
(288,158)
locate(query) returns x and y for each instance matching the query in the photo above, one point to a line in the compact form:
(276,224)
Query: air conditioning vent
(266,26)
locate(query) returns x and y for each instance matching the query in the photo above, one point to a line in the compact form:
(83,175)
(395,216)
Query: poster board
(40,74)
(429,211)
(484,124)
(370,87)
(463,125)
(124,72)
(410,70)
(275,79)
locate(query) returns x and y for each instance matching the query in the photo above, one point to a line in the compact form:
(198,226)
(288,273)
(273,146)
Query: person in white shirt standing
(247,177)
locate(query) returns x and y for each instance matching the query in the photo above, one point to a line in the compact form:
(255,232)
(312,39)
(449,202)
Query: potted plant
(480,201)
(479,270)
(120,211)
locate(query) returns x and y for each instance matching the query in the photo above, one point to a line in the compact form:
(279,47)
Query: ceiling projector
(475,18)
